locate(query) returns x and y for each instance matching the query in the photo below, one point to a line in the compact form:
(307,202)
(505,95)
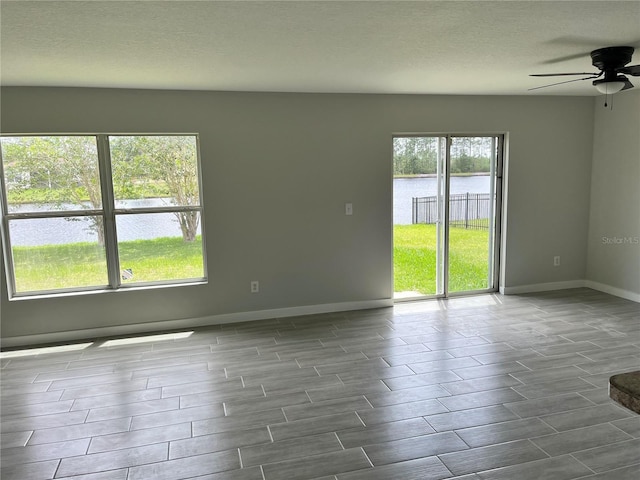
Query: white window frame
(108,213)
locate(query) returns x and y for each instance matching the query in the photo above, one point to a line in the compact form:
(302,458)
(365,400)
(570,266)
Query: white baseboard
(545,287)
(149,327)
(542,287)
(618,292)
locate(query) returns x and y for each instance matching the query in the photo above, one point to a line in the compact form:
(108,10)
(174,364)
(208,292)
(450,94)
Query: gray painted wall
(614,226)
(277,170)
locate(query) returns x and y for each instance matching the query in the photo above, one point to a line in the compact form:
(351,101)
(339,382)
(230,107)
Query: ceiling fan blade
(627,85)
(584,42)
(560,74)
(633,70)
(566,58)
(568,81)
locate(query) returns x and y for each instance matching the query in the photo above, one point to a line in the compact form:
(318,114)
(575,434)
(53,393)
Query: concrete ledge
(624,388)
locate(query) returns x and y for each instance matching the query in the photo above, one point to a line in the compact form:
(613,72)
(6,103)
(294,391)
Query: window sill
(101,291)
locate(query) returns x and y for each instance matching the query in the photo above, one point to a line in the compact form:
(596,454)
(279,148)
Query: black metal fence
(466,210)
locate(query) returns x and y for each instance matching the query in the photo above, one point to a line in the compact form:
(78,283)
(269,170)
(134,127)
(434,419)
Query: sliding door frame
(495,233)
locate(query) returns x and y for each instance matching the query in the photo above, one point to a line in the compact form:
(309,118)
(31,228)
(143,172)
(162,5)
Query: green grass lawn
(73,265)
(414,259)
(52,267)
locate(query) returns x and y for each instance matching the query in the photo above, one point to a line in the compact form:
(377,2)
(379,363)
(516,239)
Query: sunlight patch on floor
(40,351)
(409,294)
(146,339)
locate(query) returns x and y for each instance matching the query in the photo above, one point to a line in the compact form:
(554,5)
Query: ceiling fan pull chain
(610,102)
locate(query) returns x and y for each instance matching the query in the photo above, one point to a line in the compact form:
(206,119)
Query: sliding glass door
(446,214)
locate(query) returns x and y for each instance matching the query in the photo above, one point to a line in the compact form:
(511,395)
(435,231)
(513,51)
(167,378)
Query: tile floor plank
(490,457)
(188,467)
(30,471)
(317,465)
(580,439)
(128,457)
(419,469)
(289,449)
(39,453)
(624,473)
(504,432)
(414,447)
(80,430)
(314,425)
(361,436)
(217,442)
(583,417)
(139,438)
(557,468)
(470,418)
(610,457)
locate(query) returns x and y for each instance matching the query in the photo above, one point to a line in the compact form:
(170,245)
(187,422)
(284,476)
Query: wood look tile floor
(476,388)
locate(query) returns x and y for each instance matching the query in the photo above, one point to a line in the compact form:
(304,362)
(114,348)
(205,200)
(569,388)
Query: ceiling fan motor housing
(610,59)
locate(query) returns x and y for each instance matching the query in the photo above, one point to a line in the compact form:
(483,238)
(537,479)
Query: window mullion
(4,233)
(55,214)
(136,210)
(108,206)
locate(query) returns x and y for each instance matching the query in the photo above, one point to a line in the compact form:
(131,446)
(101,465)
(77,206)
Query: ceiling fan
(611,61)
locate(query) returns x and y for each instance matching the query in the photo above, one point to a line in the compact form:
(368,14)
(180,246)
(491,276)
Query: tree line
(419,155)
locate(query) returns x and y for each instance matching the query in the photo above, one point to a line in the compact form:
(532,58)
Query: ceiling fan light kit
(611,61)
(609,87)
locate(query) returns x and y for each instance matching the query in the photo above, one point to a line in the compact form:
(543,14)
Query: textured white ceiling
(433,47)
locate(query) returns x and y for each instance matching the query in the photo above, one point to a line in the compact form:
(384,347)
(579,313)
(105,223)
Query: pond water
(136,227)
(51,231)
(404,189)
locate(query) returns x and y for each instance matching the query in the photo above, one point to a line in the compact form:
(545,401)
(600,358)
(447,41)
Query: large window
(93,212)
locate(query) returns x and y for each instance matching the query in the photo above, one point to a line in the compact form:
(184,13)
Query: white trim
(618,292)
(542,287)
(138,328)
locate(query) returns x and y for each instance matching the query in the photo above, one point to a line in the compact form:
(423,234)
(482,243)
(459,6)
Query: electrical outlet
(255,286)
(556,261)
